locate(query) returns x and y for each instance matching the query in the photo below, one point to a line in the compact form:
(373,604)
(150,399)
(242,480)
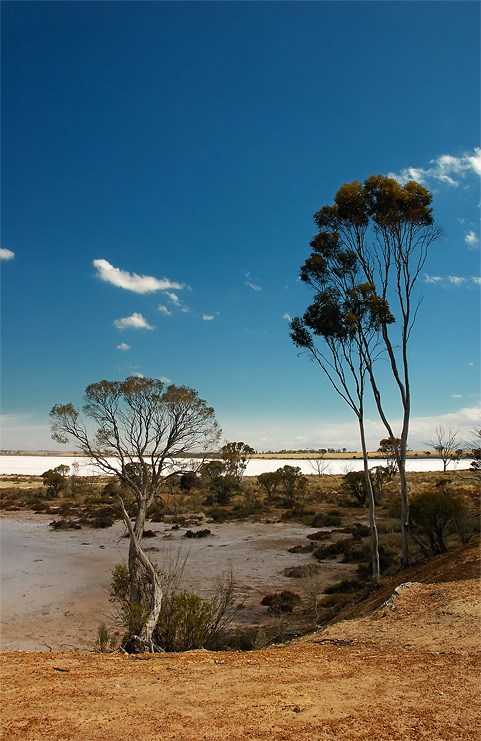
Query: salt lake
(35,465)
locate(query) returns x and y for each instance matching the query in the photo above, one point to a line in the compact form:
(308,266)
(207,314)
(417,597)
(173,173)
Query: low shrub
(325,552)
(186,621)
(300,572)
(338,599)
(253,639)
(389,525)
(281,602)
(308,548)
(197,533)
(346,586)
(218,515)
(320,535)
(358,530)
(333,518)
(64,524)
(103,519)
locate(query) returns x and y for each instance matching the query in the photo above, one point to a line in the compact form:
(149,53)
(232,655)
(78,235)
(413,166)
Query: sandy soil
(408,670)
(54,584)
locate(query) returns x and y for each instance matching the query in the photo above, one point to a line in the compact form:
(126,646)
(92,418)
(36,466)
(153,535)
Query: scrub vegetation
(444,514)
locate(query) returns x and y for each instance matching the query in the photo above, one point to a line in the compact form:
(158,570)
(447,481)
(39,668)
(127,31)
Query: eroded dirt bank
(408,670)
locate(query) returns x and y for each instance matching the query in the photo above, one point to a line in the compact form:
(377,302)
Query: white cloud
(446,169)
(136,321)
(207,317)
(250,284)
(456,396)
(164,310)
(173,297)
(287,316)
(475,160)
(132,281)
(138,375)
(124,346)
(471,240)
(6,254)
(452,280)
(262,434)
(423,428)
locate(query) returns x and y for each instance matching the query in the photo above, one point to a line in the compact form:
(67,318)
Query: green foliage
(302,572)
(433,517)
(319,535)
(380,477)
(221,485)
(235,457)
(333,518)
(186,622)
(390,446)
(269,481)
(358,530)
(54,481)
(284,601)
(293,482)
(223,489)
(335,600)
(188,481)
(253,639)
(132,614)
(105,642)
(354,485)
(346,586)
(120,582)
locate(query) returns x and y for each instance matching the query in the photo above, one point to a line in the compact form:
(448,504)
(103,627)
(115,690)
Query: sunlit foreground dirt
(408,669)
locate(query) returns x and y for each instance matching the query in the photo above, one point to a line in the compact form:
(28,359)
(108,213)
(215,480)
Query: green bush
(335,600)
(185,622)
(434,516)
(281,602)
(300,572)
(358,530)
(319,535)
(252,639)
(389,525)
(302,548)
(346,586)
(333,518)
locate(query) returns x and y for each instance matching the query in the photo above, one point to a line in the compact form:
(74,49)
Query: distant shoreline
(347,456)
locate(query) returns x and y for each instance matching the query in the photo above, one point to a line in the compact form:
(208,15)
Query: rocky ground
(405,665)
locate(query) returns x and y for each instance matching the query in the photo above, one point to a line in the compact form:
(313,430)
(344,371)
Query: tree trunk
(138,558)
(371,502)
(135,569)
(400,456)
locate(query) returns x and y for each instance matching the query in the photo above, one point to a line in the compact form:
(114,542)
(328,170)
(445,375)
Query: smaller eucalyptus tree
(136,429)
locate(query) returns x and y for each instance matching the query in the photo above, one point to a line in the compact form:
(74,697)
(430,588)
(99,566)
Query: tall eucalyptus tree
(383,230)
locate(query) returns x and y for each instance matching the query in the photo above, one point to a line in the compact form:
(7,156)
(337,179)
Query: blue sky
(161,164)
